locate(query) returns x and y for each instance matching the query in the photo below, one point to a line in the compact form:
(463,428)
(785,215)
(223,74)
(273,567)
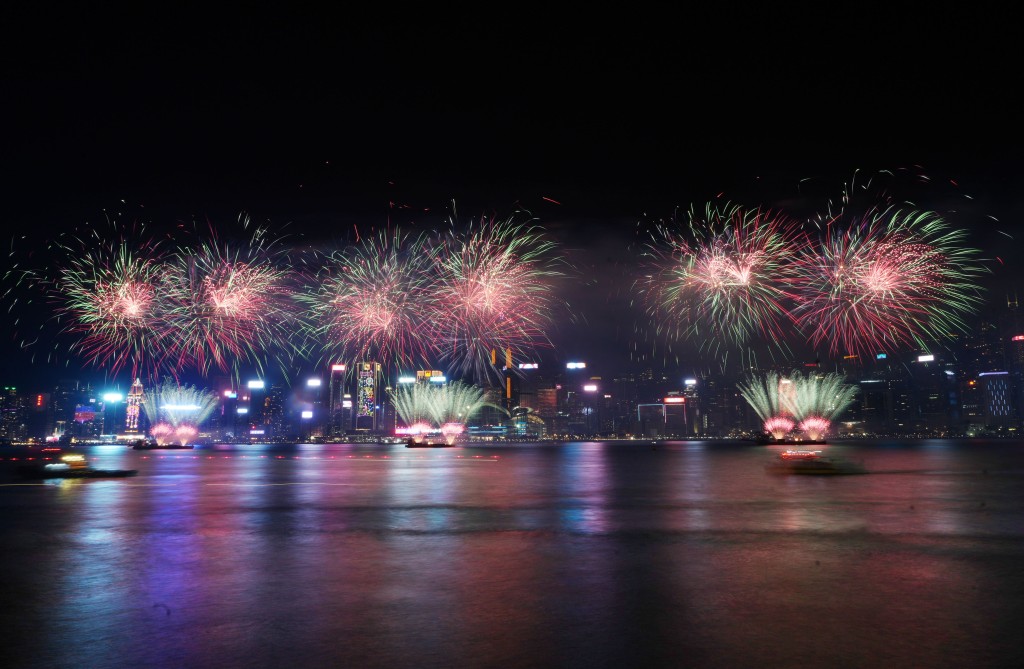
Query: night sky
(323,124)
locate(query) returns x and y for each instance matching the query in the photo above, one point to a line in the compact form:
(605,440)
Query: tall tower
(337,425)
(367,380)
(131,421)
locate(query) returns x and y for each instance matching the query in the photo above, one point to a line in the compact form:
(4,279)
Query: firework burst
(225,305)
(725,278)
(497,293)
(891,279)
(809,402)
(375,301)
(106,297)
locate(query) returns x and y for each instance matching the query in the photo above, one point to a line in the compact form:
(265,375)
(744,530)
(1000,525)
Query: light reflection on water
(581,554)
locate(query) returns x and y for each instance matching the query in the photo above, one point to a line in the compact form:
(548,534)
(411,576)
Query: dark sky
(319,121)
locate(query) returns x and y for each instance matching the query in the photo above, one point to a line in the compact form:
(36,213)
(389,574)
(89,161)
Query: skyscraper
(337,412)
(133,407)
(367,391)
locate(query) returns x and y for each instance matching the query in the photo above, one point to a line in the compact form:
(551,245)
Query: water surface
(571,555)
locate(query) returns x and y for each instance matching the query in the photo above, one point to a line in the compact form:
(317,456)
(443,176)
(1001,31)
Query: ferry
(50,463)
(811,462)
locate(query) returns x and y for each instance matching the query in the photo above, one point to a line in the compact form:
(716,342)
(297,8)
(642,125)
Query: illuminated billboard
(926,358)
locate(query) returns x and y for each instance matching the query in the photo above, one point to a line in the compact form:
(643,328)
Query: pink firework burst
(375,301)
(815,427)
(726,277)
(889,280)
(225,306)
(779,426)
(496,289)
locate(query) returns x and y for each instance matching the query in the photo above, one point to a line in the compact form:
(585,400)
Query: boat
(812,462)
(52,463)
(152,444)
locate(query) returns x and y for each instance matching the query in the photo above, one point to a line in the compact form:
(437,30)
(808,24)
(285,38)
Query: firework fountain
(768,396)
(808,403)
(817,400)
(176,411)
(427,409)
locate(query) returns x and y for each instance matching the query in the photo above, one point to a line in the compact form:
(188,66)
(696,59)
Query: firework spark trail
(375,301)
(890,279)
(725,278)
(823,395)
(762,393)
(496,288)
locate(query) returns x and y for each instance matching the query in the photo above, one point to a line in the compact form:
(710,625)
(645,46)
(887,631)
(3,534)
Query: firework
(886,280)
(725,278)
(224,306)
(817,399)
(438,405)
(809,402)
(176,411)
(129,303)
(496,289)
(815,427)
(108,296)
(766,394)
(779,426)
(375,301)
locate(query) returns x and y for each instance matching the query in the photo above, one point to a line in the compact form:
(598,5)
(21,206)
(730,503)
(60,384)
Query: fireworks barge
(428,443)
(812,462)
(768,440)
(52,463)
(153,445)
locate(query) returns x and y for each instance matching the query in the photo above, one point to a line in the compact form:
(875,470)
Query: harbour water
(588,554)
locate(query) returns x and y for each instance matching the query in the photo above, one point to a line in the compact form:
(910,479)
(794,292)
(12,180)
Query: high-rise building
(367,396)
(13,415)
(62,406)
(273,414)
(338,415)
(998,399)
(133,408)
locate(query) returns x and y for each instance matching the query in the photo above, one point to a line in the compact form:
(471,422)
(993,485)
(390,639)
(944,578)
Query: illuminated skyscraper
(367,385)
(131,421)
(337,412)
